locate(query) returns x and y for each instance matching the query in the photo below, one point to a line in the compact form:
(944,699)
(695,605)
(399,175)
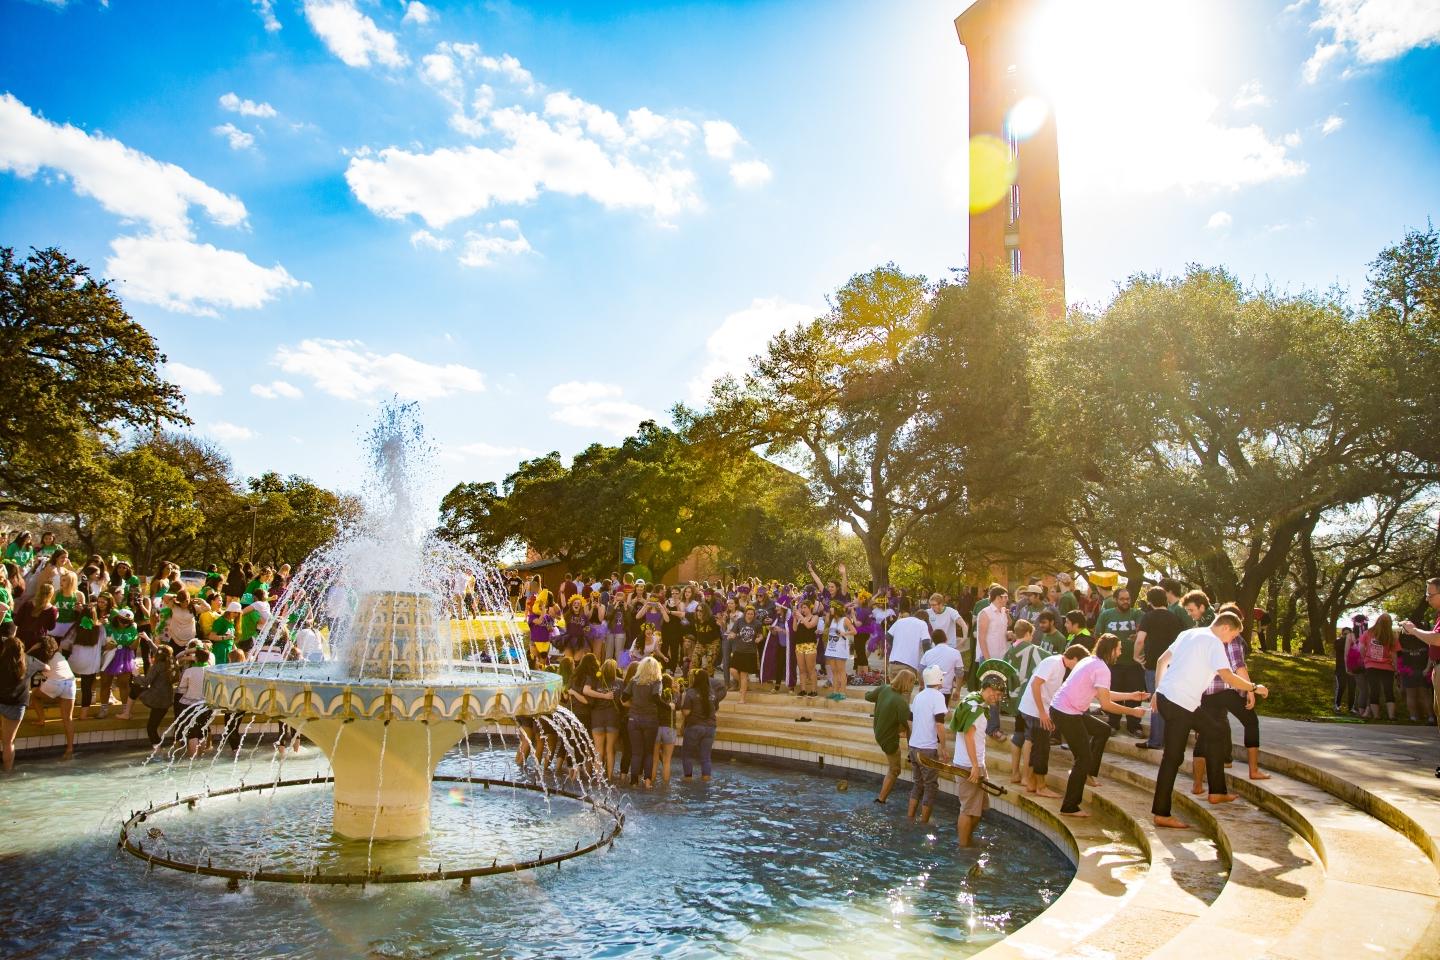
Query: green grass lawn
(1301,685)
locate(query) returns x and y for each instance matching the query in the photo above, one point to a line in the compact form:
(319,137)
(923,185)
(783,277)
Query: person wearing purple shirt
(1088,734)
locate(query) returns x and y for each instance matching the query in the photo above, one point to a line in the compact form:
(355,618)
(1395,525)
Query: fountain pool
(761,862)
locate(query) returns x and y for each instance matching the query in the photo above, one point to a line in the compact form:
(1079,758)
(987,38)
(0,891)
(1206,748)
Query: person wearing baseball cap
(927,739)
(970,722)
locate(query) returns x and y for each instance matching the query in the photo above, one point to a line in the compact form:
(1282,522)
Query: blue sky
(546,221)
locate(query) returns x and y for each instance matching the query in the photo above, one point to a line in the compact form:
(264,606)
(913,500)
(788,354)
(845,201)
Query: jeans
(1362,691)
(699,739)
(725,657)
(1126,678)
(1213,732)
(927,779)
(152,725)
(1344,688)
(1219,704)
(1087,736)
(1039,745)
(642,747)
(1157,722)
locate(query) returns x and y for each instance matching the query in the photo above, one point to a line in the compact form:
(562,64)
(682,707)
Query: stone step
(1381,895)
(1185,873)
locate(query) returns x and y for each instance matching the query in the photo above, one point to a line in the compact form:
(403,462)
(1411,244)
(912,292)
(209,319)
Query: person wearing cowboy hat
(969,723)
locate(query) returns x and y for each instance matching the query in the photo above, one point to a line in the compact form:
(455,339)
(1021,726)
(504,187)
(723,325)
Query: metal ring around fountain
(376,876)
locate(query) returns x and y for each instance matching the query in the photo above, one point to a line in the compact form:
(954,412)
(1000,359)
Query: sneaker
(836,696)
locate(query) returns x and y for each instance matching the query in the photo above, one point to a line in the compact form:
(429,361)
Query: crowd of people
(645,666)
(86,638)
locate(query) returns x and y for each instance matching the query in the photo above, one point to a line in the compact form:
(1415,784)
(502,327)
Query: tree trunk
(875,556)
(1317,614)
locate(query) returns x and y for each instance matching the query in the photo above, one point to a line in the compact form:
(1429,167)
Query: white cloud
(1219,220)
(1292,139)
(230,432)
(125,182)
(742,335)
(266,10)
(1089,55)
(1373,31)
(1330,124)
(1324,53)
(481,249)
(352,36)
(596,406)
(165,266)
(449,184)
(438,70)
(509,68)
(1250,94)
(275,390)
(347,369)
(721,139)
(428,240)
(246,108)
(750,173)
(192,380)
(417,12)
(189,277)
(239,139)
(484,451)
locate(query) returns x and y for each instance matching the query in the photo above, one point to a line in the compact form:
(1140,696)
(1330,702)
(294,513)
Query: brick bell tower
(1022,231)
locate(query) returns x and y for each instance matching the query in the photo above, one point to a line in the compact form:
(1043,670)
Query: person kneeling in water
(969,721)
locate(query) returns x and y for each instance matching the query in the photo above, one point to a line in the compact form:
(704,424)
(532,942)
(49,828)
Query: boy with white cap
(927,738)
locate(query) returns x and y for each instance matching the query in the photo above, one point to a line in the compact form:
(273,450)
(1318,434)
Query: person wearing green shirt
(6,601)
(1174,590)
(20,551)
(892,715)
(253,620)
(1047,635)
(1123,620)
(1076,631)
(223,633)
(1198,609)
(1067,600)
(48,545)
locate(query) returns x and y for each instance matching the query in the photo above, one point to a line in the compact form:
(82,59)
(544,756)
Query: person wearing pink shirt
(1087,734)
(991,625)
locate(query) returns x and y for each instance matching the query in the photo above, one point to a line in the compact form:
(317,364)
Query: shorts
(665,735)
(59,689)
(198,725)
(896,667)
(807,648)
(1022,730)
(892,761)
(973,799)
(608,726)
(14,712)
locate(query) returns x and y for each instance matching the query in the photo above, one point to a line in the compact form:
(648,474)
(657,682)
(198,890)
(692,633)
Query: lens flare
(992,171)
(455,797)
(665,546)
(1026,118)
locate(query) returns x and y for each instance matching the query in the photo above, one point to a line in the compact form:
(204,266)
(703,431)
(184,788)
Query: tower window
(1015,203)
(1015,261)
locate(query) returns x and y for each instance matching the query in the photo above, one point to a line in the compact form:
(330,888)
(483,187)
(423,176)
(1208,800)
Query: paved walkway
(1394,762)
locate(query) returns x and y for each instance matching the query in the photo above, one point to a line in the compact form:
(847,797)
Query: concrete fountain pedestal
(387,712)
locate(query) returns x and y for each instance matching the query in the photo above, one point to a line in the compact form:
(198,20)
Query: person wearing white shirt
(1182,675)
(1034,716)
(307,641)
(970,754)
(991,626)
(927,738)
(947,620)
(907,638)
(949,660)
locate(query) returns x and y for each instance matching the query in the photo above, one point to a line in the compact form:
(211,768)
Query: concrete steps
(1292,871)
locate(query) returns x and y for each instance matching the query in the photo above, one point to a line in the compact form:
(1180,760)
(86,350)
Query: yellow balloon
(992,171)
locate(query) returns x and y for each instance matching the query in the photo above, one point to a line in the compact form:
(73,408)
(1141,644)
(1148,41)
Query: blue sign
(627,549)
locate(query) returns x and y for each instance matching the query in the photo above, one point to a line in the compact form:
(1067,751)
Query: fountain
(409,676)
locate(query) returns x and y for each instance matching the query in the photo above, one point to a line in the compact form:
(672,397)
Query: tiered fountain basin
(386,711)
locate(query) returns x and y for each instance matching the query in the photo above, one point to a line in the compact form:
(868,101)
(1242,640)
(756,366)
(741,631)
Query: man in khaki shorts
(969,724)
